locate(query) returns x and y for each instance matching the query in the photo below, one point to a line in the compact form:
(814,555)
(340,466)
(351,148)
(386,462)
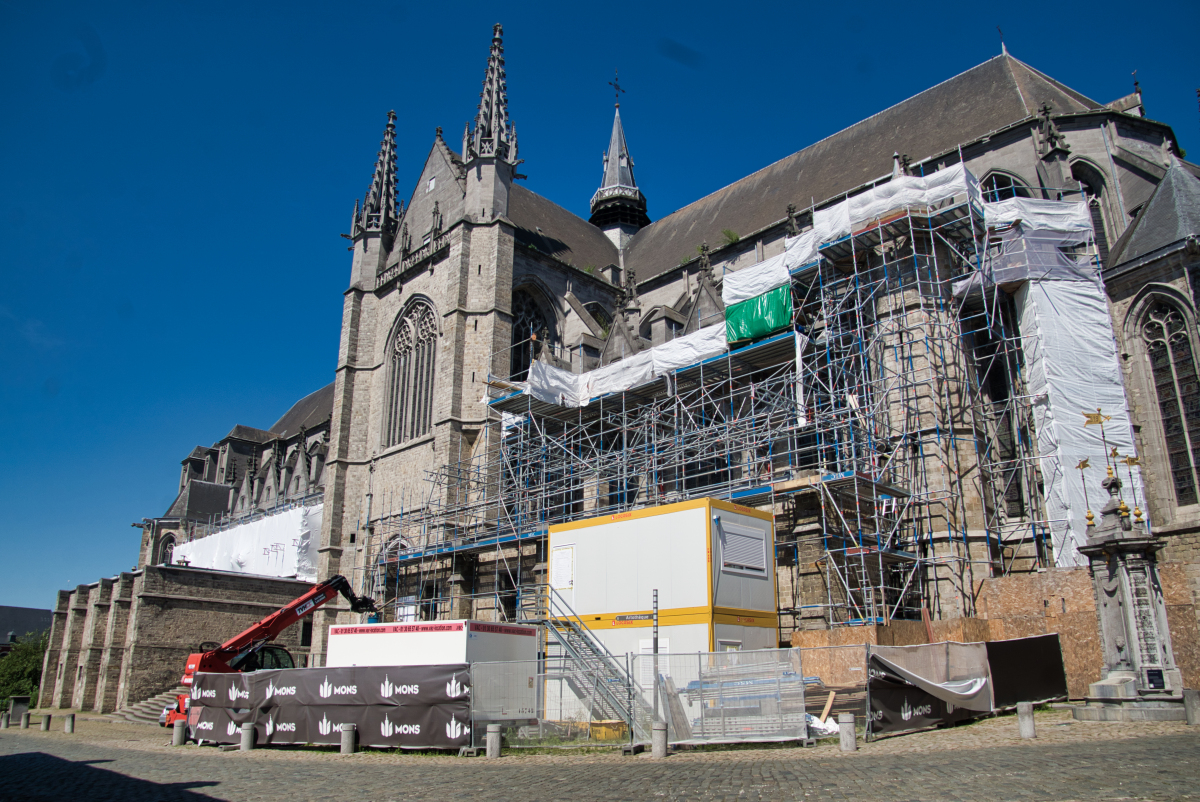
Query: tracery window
(410,376)
(1173,369)
(999,186)
(529,326)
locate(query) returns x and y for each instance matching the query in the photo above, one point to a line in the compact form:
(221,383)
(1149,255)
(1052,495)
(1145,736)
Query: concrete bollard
(69,724)
(348,743)
(3,721)
(1025,722)
(46,723)
(248,737)
(493,740)
(24,721)
(179,733)
(849,738)
(658,739)
(1191,704)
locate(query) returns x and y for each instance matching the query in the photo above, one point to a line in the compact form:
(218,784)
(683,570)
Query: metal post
(248,736)
(1191,704)
(654,644)
(69,724)
(46,723)
(348,743)
(1025,720)
(658,740)
(849,740)
(179,733)
(493,741)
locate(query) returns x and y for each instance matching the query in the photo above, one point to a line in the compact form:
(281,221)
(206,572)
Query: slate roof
(618,164)
(563,235)
(251,434)
(198,500)
(1171,215)
(985,98)
(311,410)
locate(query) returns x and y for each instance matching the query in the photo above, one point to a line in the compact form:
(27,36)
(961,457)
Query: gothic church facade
(474,276)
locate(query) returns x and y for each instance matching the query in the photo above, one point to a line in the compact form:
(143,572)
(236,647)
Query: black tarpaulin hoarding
(358,685)
(406,706)
(1027,670)
(898,706)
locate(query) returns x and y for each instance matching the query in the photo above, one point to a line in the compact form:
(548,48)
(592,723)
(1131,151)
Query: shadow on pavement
(38,777)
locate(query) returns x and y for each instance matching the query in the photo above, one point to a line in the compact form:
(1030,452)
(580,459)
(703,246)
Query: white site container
(429,643)
(712,562)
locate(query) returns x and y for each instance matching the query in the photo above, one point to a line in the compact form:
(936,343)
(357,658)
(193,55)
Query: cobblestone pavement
(981,761)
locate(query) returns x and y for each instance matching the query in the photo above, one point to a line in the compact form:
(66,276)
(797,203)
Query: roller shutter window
(742,549)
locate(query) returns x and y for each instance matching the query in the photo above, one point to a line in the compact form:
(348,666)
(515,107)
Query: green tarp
(759,315)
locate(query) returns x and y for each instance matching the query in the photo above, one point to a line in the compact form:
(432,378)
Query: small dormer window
(432,183)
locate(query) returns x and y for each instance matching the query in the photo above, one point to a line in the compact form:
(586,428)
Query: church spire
(618,205)
(493,135)
(379,212)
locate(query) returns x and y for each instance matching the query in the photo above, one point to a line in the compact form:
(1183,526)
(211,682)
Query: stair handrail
(567,613)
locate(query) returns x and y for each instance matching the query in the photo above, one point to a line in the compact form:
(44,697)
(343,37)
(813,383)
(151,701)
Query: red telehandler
(252,651)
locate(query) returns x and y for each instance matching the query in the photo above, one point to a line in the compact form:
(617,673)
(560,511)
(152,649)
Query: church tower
(489,152)
(619,207)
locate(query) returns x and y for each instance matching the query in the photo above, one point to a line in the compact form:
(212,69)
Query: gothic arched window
(411,360)
(528,328)
(1000,186)
(1164,329)
(166,551)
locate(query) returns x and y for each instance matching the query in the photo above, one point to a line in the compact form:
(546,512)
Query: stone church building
(462,289)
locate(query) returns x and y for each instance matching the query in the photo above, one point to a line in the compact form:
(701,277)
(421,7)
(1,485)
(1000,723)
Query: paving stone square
(985,760)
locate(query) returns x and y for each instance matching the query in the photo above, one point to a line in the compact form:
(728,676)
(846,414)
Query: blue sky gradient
(175,176)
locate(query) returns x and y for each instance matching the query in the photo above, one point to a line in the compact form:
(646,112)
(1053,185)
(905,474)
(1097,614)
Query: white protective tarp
(1039,215)
(553,385)
(689,349)
(1071,369)
(837,221)
(1037,254)
(280,545)
(755,280)
(620,375)
(558,386)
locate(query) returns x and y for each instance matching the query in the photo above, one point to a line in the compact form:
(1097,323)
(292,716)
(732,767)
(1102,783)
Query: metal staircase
(591,670)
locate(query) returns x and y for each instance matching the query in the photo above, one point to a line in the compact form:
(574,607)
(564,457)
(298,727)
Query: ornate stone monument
(1140,679)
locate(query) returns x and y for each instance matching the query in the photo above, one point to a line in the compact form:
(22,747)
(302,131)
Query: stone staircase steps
(148,710)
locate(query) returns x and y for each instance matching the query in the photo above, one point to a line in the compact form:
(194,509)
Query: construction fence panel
(755,695)
(558,701)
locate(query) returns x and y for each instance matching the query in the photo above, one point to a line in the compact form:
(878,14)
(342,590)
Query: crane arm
(229,656)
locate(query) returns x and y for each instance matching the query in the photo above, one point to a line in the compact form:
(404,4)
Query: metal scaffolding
(888,429)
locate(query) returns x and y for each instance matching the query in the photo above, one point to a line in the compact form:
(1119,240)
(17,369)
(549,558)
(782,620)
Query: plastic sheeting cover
(558,386)
(1072,369)
(1024,254)
(760,315)
(1039,215)
(957,673)
(755,280)
(902,191)
(280,545)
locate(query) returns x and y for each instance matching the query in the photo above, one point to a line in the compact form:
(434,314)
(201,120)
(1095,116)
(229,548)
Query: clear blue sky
(174,177)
